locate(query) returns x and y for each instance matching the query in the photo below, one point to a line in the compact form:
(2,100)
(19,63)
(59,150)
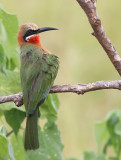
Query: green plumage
(38,71)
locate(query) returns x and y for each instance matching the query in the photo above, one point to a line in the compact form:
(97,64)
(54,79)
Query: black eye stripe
(29,33)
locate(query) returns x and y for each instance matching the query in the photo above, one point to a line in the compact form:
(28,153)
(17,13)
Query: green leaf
(3,147)
(9,83)
(18,147)
(118,128)
(6,151)
(2,59)
(14,118)
(89,155)
(100,157)
(113,158)
(1,113)
(100,132)
(50,144)
(50,107)
(112,119)
(53,103)
(2,131)
(8,32)
(72,159)
(106,145)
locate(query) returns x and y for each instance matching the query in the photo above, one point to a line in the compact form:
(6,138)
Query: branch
(89,7)
(79,89)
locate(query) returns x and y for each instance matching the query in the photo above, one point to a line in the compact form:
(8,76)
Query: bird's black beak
(40,30)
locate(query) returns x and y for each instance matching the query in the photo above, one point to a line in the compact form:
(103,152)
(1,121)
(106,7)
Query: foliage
(8,31)
(108,138)
(6,150)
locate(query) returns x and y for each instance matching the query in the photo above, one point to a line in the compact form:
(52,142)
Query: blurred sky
(82,60)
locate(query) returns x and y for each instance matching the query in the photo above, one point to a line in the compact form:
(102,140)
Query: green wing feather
(38,71)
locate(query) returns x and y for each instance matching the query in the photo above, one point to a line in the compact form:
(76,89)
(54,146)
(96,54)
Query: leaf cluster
(107,134)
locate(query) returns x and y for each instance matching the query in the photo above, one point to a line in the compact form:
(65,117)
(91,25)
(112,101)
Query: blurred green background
(82,60)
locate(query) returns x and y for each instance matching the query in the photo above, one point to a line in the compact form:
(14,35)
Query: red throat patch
(34,39)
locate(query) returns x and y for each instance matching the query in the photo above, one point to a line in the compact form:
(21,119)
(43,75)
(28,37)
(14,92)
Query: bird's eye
(28,33)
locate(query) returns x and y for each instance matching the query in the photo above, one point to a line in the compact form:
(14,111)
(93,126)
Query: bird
(38,71)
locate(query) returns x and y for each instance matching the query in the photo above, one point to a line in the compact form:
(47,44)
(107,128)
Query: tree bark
(89,7)
(79,89)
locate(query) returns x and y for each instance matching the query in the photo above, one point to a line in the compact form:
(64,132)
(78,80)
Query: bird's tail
(31,134)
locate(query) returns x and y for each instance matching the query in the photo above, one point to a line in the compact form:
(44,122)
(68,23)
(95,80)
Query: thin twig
(89,7)
(79,89)
(9,133)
